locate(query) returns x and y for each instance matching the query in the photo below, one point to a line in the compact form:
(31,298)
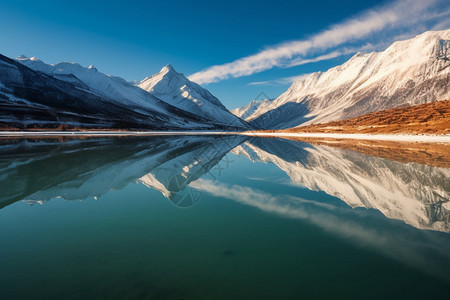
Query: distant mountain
(38,95)
(408,72)
(175,89)
(246,111)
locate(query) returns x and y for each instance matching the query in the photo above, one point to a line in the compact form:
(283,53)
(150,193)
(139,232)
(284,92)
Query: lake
(223,217)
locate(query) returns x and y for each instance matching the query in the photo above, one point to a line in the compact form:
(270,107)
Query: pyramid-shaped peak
(168,68)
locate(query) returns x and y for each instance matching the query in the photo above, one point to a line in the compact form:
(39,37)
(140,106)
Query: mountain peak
(177,90)
(261,100)
(246,111)
(168,68)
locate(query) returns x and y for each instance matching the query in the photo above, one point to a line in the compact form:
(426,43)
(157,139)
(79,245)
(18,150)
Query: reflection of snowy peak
(175,175)
(177,90)
(75,170)
(167,164)
(417,194)
(408,72)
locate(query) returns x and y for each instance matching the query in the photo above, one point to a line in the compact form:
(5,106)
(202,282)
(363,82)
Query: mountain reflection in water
(388,204)
(39,170)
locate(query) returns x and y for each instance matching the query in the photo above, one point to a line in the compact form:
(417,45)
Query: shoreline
(360,136)
(352,136)
(101,133)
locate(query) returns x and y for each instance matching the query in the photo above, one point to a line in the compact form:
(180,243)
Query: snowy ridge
(408,72)
(177,90)
(111,87)
(115,92)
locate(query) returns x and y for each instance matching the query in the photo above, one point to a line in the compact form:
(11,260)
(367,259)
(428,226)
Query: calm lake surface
(225,217)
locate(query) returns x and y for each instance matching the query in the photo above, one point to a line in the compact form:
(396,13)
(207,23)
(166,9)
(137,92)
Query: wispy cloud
(280,81)
(301,61)
(399,14)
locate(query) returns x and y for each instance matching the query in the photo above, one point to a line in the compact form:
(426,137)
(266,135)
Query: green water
(218,218)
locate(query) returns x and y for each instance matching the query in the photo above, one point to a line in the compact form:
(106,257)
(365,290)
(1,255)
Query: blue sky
(215,40)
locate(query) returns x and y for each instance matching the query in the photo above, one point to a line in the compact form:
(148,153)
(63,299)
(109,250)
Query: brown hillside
(429,118)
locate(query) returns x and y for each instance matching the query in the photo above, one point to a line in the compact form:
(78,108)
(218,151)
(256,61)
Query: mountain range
(413,71)
(34,94)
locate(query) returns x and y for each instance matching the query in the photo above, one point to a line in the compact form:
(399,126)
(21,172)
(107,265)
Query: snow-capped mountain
(417,194)
(31,98)
(177,90)
(246,111)
(44,95)
(413,71)
(110,87)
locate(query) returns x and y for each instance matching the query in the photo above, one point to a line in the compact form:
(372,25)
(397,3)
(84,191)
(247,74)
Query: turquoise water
(218,218)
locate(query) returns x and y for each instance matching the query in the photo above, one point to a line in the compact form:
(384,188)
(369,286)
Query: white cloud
(300,61)
(399,14)
(280,81)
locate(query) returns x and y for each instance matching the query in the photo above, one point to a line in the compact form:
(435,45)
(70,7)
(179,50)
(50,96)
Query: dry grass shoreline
(429,118)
